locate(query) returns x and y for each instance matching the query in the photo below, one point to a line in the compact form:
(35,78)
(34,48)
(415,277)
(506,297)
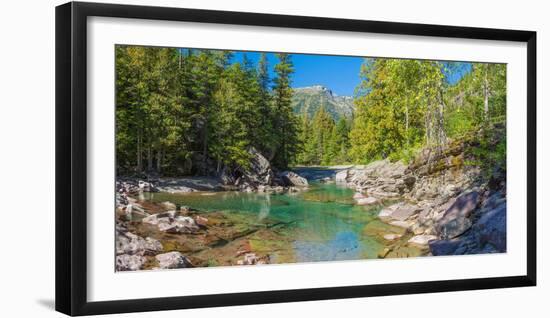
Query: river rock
(127,262)
(392,236)
(358,195)
(398,212)
(444,247)
(180,224)
(129,243)
(341,176)
(155,218)
(491,228)
(421,240)
(405,212)
(456,220)
(291,178)
(379,229)
(146,186)
(168,205)
(250,259)
(170,222)
(404,224)
(201,220)
(172,260)
(367,201)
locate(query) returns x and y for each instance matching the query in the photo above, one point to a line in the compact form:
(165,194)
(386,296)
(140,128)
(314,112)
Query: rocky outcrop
(310,99)
(445,206)
(456,219)
(380,179)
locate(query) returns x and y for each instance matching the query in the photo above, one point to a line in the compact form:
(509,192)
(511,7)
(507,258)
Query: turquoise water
(326,225)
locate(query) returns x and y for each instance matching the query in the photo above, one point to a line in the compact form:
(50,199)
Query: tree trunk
(149,158)
(205,146)
(138,154)
(407,123)
(486,93)
(159,160)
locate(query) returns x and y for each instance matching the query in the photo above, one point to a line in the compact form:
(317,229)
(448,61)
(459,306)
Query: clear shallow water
(326,225)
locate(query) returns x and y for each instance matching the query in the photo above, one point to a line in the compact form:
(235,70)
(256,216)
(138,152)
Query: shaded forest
(182,112)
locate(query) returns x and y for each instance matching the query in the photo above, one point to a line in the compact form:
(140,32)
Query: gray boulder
(491,228)
(259,171)
(293,179)
(132,244)
(172,260)
(456,219)
(171,222)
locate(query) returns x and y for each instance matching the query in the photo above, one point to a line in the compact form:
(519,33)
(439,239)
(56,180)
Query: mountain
(310,99)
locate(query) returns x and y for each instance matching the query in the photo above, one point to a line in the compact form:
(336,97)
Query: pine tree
(285,122)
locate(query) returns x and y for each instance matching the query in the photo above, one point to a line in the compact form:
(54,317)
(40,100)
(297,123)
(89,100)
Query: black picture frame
(71,157)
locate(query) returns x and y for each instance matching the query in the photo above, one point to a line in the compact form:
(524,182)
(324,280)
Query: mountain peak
(309,100)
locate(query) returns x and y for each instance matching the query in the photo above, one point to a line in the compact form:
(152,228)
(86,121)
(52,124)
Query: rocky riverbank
(163,236)
(436,205)
(446,206)
(258,176)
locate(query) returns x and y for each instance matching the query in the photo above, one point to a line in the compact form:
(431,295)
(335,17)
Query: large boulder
(293,179)
(259,170)
(456,220)
(491,228)
(172,260)
(127,262)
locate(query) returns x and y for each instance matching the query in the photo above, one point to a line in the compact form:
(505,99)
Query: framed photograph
(209,158)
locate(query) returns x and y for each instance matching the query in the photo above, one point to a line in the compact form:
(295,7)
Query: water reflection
(325,223)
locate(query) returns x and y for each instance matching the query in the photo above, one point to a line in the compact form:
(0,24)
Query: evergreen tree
(284,120)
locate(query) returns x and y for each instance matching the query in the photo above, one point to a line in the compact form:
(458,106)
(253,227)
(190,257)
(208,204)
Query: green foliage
(323,141)
(179,110)
(191,111)
(285,123)
(403,105)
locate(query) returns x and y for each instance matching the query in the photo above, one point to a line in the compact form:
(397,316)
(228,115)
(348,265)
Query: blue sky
(338,73)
